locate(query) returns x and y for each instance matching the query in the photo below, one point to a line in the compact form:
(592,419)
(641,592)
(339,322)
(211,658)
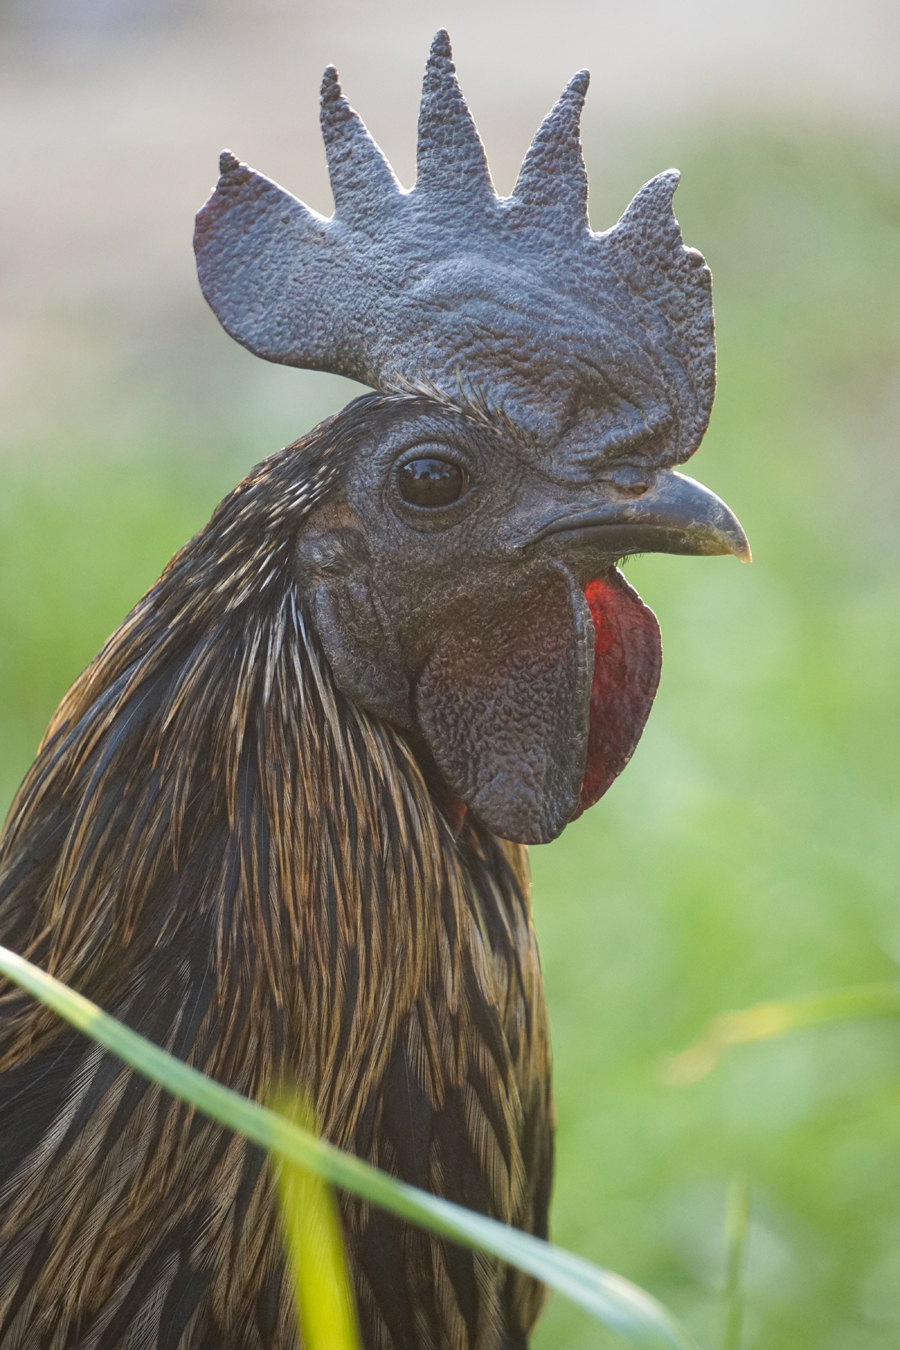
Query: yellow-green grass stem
(779,1017)
(317,1262)
(737,1218)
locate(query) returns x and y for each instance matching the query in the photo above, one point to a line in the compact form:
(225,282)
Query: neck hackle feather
(224,852)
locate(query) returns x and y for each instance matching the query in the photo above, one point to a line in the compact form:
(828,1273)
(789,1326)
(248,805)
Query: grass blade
(317,1263)
(612,1300)
(737,1215)
(765,1021)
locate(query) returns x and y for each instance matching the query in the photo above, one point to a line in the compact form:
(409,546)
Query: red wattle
(627,661)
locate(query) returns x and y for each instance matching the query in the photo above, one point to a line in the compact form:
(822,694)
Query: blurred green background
(750,850)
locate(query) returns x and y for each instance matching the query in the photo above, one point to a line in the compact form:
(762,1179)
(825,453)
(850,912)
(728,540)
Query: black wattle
(503,702)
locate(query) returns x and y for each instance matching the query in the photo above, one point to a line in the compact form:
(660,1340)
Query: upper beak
(675,515)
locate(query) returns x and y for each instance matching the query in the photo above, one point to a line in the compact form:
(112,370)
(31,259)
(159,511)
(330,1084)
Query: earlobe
(335,551)
(360,649)
(334,569)
(503,702)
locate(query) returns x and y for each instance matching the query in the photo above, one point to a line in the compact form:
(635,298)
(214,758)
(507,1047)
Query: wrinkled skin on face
(487,616)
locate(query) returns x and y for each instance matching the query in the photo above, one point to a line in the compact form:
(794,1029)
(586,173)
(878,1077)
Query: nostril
(630,481)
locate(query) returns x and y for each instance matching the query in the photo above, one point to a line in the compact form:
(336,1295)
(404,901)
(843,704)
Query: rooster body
(227,854)
(277,826)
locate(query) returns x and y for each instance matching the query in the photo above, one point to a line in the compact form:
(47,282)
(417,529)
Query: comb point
(361,178)
(440,46)
(553,177)
(450,156)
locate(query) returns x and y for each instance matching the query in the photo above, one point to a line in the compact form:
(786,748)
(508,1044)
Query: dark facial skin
(446,578)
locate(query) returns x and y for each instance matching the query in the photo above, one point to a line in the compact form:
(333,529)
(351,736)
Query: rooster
(278,824)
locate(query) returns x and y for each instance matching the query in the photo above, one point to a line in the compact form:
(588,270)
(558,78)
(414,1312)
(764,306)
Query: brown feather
(223,851)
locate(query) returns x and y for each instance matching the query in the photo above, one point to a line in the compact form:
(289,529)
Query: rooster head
(538,385)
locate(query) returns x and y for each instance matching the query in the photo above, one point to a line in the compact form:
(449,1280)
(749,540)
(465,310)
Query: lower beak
(676,515)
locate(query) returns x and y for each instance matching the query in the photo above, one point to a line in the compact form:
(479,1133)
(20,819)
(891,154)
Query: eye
(430,481)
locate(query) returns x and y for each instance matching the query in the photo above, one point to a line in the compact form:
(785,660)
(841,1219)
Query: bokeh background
(750,850)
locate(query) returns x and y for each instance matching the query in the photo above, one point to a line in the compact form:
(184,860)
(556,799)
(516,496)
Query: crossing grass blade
(612,1300)
(765,1021)
(317,1263)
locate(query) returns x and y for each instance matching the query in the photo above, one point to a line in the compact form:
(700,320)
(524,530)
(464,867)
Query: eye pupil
(431,482)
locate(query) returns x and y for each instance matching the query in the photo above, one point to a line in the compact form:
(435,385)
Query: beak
(676,515)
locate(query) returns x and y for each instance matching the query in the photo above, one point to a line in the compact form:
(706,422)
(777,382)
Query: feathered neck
(205,789)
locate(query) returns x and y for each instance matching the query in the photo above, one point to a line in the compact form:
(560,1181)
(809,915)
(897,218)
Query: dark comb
(449,282)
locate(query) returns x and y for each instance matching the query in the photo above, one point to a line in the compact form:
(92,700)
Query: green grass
(750,851)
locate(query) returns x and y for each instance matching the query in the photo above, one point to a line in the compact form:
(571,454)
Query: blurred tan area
(114,112)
